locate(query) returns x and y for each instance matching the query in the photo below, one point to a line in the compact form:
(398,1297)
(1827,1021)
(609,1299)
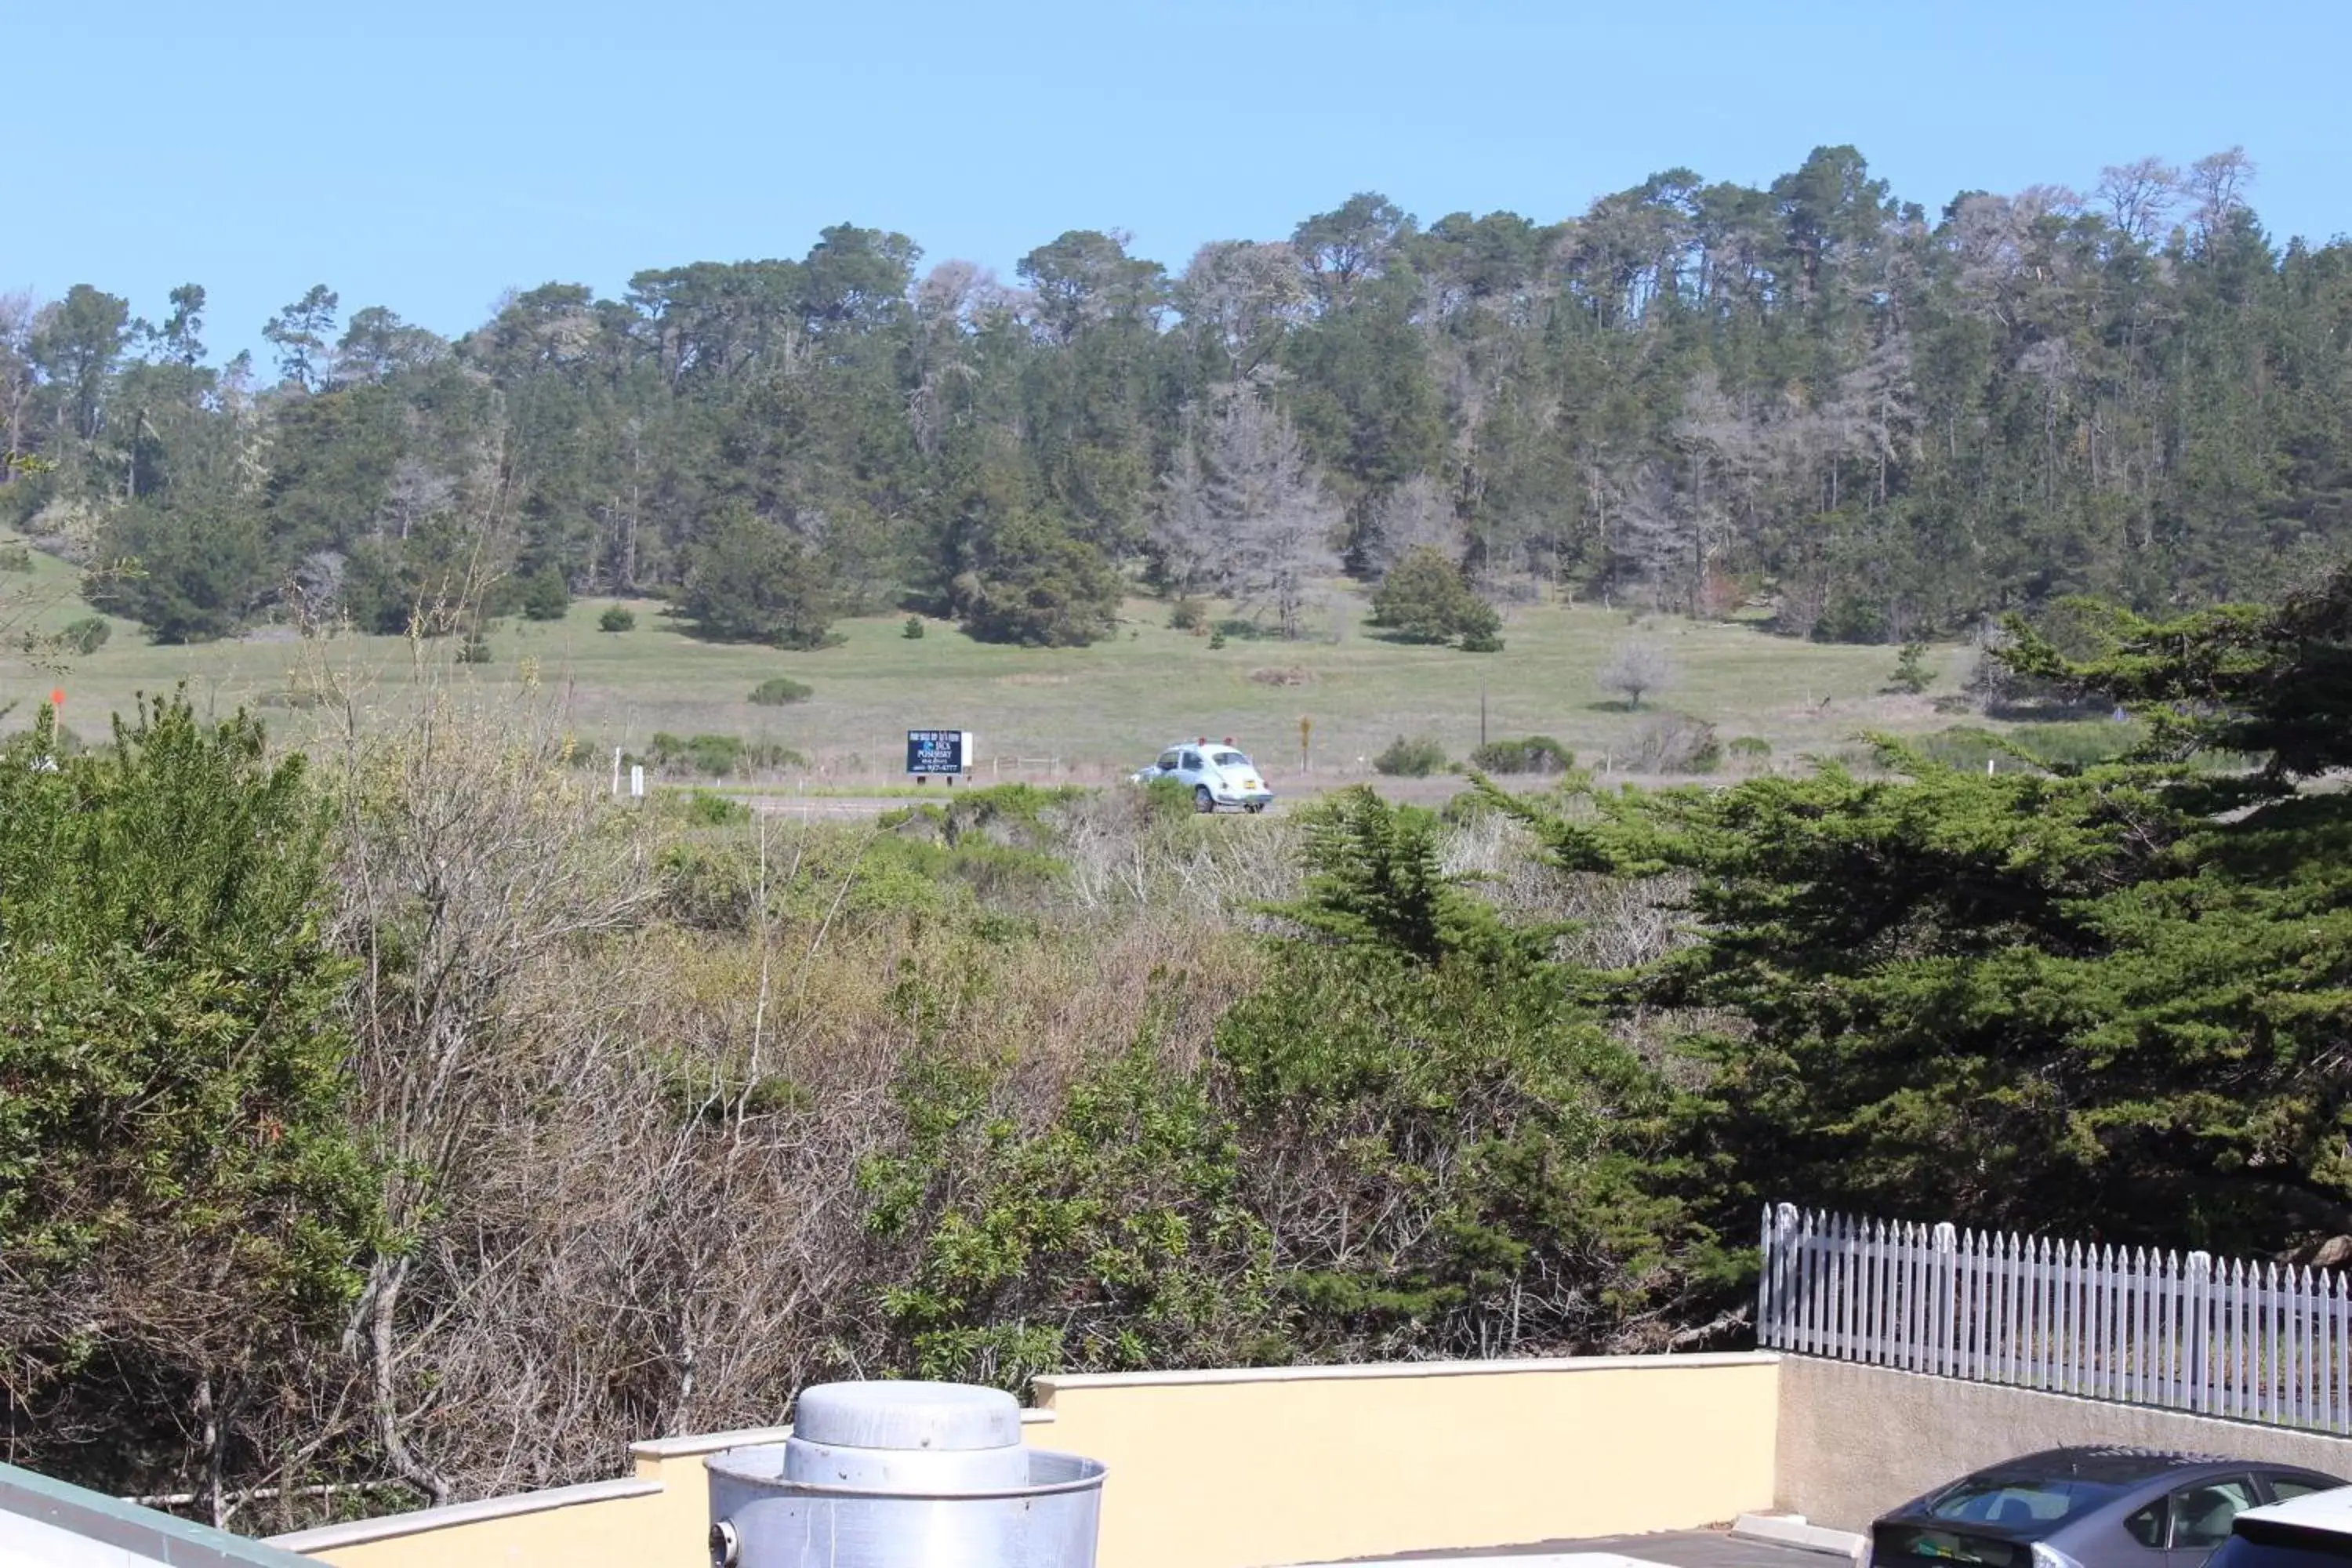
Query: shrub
(777,690)
(1188,615)
(15,558)
(1676,743)
(617,618)
(1532,754)
(87,635)
(1636,669)
(1425,599)
(1749,748)
(913,629)
(545,595)
(1281,675)
(1911,671)
(1217,639)
(704,809)
(475,649)
(719,756)
(1414,758)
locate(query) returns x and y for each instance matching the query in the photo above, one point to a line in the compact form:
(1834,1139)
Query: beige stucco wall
(1857,1440)
(599,1532)
(1249,1469)
(1242,1470)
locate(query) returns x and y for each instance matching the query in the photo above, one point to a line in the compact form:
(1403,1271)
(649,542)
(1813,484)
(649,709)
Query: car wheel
(1256,806)
(1202,799)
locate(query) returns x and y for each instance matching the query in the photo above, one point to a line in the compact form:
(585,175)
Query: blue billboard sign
(931,753)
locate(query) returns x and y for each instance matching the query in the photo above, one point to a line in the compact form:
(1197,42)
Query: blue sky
(428,155)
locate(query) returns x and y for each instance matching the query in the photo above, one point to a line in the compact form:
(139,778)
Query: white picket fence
(2251,1342)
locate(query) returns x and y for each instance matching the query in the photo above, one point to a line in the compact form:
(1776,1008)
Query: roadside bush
(779,689)
(617,618)
(87,635)
(1414,759)
(719,756)
(703,809)
(1749,748)
(1529,754)
(1188,615)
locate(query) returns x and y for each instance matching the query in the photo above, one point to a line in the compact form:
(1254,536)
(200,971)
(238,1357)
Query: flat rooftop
(1667,1549)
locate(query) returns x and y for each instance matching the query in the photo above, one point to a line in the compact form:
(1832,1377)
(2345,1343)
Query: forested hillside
(1878,418)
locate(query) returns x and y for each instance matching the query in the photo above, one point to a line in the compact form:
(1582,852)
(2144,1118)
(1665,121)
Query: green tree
(1425,599)
(188,572)
(754,582)
(1030,582)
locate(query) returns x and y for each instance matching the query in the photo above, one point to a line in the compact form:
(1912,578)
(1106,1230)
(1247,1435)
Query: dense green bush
(912,628)
(86,634)
(544,596)
(704,809)
(475,649)
(1188,615)
(617,618)
(1911,671)
(1414,759)
(1532,754)
(15,558)
(185,1192)
(1749,748)
(1425,598)
(779,689)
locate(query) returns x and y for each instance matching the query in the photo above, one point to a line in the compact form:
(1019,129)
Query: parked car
(1216,775)
(2087,1508)
(2313,1530)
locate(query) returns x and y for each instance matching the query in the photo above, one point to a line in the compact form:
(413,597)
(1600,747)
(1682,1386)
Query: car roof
(1199,745)
(2330,1512)
(2111,1466)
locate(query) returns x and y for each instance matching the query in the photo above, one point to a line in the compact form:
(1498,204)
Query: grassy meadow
(1077,713)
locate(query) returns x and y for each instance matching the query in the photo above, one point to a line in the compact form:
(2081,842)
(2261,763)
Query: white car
(2313,1530)
(1216,775)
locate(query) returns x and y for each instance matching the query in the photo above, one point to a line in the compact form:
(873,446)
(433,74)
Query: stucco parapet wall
(328,1537)
(1046,1387)
(695,1443)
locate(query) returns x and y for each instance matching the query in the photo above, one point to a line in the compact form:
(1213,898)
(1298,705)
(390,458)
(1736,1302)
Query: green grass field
(1081,713)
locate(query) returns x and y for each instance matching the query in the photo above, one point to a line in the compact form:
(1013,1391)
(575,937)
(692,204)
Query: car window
(1193,760)
(2203,1514)
(2016,1500)
(2147,1526)
(1229,759)
(2286,1487)
(1167,762)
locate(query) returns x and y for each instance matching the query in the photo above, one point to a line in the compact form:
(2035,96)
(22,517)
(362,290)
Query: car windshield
(2020,1499)
(1229,759)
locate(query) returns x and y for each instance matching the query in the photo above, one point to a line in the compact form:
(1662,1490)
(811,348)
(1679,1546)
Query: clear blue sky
(429,155)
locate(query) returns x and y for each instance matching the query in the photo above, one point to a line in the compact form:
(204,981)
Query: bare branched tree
(2140,196)
(1636,669)
(1246,514)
